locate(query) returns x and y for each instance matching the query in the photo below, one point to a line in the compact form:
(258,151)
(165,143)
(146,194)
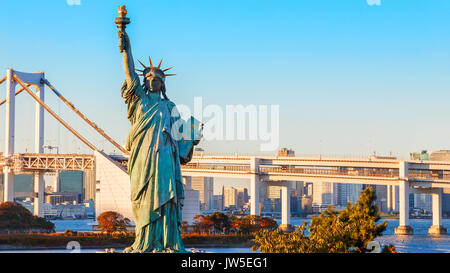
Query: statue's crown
(156,70)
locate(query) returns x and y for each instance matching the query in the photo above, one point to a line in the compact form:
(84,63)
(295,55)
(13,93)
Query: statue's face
(153,82)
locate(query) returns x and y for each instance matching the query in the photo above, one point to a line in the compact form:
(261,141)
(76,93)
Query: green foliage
(349,230)
(14,216)
(111,221)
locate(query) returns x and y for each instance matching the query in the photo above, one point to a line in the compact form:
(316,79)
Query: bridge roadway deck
(337,170)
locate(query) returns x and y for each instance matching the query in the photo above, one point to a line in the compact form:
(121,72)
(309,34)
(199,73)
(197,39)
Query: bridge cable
(17,93)
(85,141)
(93,125)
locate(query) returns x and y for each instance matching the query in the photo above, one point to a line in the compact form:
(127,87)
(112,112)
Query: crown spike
(142,64)
(140,70)
(167,69)
(140,74)
(166,75)
(150,59)
(159,65)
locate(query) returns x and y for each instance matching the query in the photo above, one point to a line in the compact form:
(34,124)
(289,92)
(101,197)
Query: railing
(428,175)
(331,172)
(216,167)
(28,162)
(41,162)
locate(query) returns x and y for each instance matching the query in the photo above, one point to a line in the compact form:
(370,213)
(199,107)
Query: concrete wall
(112,186)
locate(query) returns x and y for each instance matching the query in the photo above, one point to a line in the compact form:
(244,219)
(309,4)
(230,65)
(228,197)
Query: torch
(122,21)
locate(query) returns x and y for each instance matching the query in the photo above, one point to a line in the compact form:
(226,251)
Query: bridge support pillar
(56,182)
(39,185)
(404,228)
(255,184)
(286,207)
(8,175)
(8,185)
(395,199)
(389,198)
(437,228)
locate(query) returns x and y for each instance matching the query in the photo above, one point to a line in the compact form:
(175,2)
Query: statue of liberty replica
(157,148)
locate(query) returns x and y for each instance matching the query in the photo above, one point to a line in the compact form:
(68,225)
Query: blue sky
(349,78)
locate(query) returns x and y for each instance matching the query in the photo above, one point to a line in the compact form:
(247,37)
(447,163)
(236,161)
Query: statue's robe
(154,167)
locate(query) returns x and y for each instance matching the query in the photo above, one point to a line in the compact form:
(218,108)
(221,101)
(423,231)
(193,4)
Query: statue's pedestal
(437,230)
(113,250)
(404,230)
(108,250)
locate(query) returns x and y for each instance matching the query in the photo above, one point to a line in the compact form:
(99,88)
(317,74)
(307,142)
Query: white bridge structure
(112,180)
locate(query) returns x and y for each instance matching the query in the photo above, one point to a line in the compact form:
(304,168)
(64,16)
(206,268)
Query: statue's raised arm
(125,46)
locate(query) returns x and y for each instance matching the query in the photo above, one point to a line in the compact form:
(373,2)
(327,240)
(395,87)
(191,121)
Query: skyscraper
(72,181)
(205,186)
(230,197)
(191,201)
(89,184)
(344,193)
(242,197)
(23,185)
(323,194)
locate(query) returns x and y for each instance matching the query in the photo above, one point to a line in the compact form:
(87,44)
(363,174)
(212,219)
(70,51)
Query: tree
(203,223)
(111,221)
(349,230)
(184,226)
(268,223)
(221,222)
(14,216)
(252,223)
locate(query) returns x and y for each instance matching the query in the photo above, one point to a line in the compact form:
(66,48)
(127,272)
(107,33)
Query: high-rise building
(230,197)
(205,186)
(306,204)
(72,181)
(191,201)
(308,191)
(446,202)
(242,197)
(344,193)
(89,184)
(218,202)
(273,192)
(323,194)
(23,185)
(423,201)
(381,201)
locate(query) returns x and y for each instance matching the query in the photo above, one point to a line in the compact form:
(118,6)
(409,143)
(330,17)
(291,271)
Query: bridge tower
(37,80)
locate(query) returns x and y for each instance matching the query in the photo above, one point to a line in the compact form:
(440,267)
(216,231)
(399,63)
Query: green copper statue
(156,153)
